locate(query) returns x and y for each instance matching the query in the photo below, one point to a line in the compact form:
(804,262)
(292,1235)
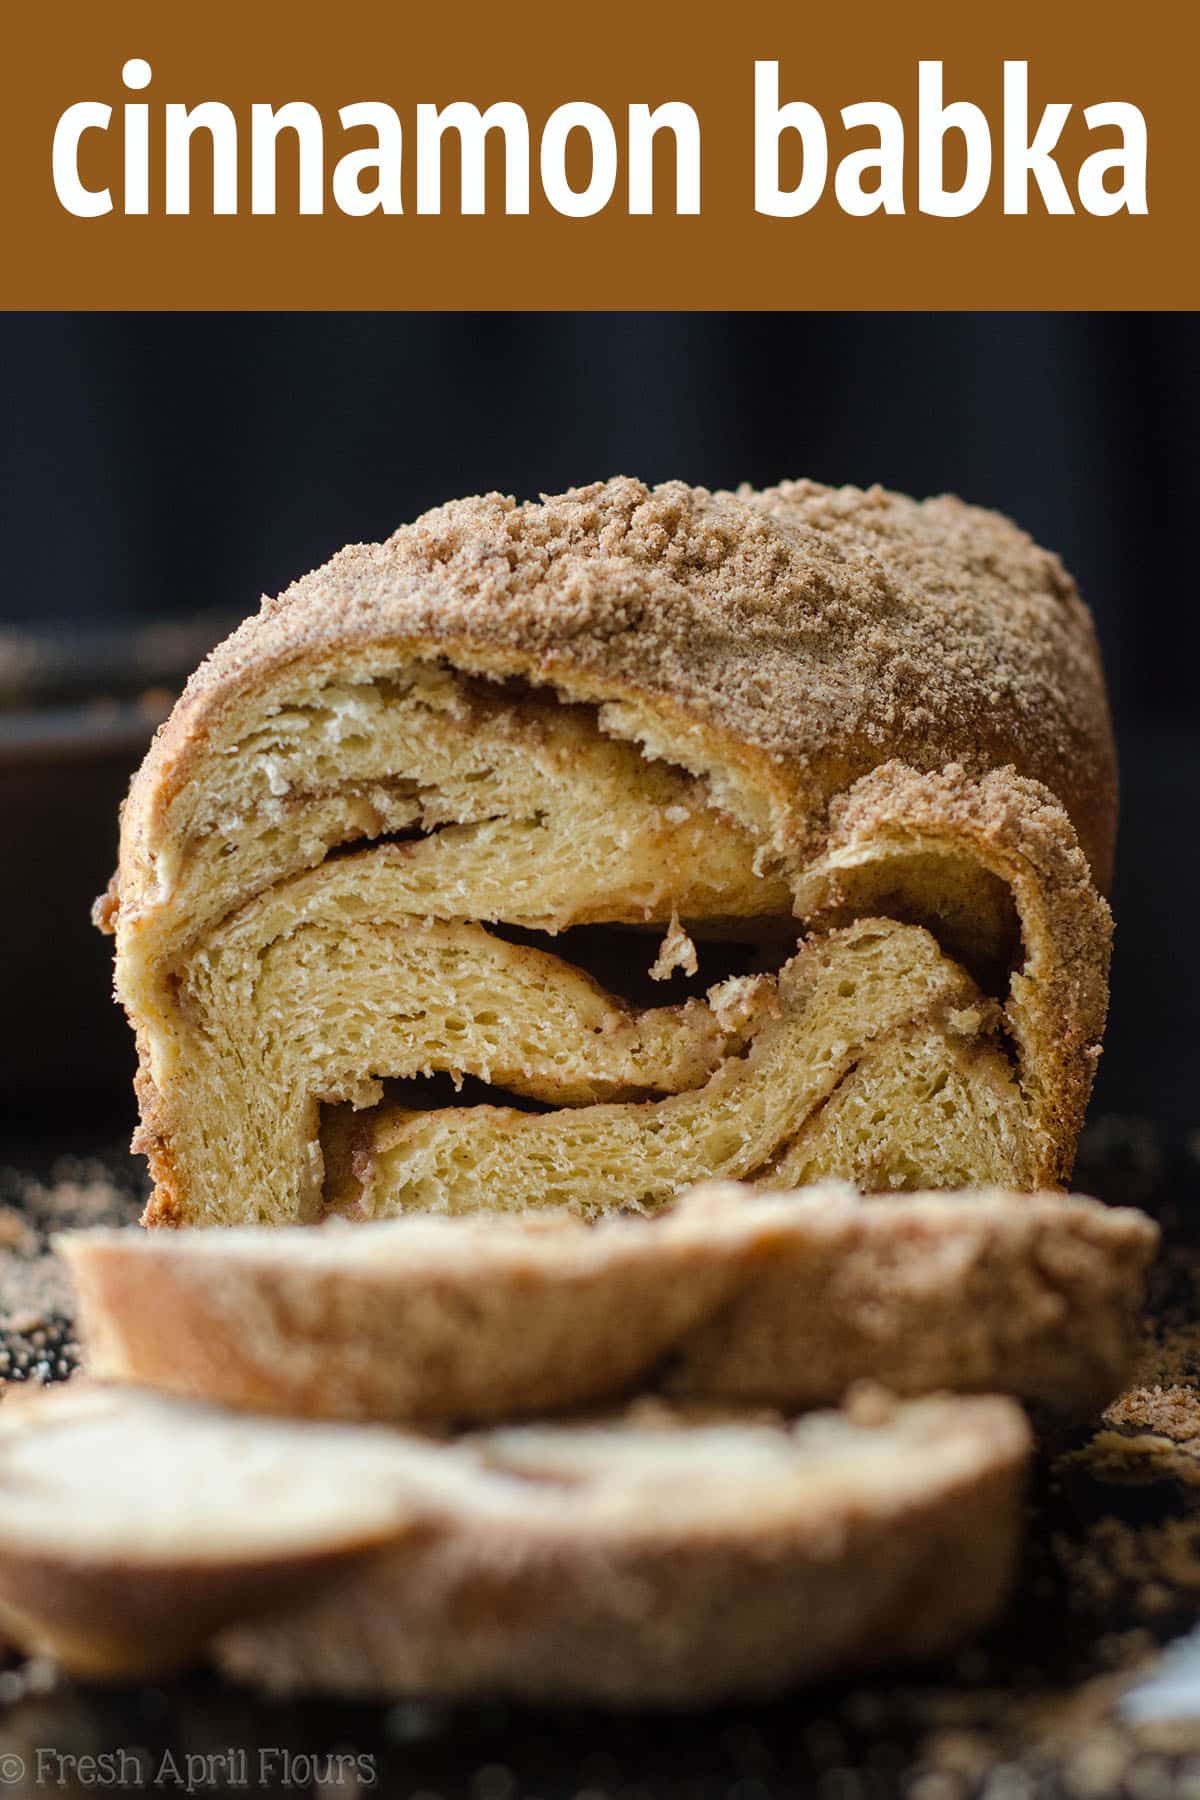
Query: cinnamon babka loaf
(564,854)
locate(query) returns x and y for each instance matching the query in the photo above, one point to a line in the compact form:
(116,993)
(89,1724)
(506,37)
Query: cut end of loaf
(359,858)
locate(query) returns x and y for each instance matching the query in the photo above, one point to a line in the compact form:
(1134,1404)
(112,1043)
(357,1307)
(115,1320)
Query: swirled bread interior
(360,870)
(869,1054)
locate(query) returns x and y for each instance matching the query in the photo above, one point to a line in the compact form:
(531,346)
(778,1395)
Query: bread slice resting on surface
(662,1556)
(780,1299)
(561,855)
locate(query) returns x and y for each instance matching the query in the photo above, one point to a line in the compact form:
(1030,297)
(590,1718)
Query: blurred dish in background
(77,709)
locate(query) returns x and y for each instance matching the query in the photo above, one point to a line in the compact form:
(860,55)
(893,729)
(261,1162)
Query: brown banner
(542,57)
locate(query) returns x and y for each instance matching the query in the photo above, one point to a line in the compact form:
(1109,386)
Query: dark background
(157,466)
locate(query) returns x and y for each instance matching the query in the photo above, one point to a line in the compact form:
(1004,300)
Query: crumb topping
(824,628)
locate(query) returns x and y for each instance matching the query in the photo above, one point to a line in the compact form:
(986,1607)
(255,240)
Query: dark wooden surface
(1027,1711)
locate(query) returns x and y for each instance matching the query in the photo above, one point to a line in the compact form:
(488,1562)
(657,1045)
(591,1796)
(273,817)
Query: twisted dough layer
(836,998)
(607,711)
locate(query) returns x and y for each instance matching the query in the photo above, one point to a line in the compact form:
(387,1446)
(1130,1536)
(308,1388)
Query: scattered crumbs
(677,951)
(1033,1708)
(37,1333)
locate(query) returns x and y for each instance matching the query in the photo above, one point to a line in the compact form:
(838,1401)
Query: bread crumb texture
(705,715)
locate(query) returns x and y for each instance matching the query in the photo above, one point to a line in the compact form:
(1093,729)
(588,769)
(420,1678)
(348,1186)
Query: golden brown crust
(150,1139)
(806,633)
(780,1299)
